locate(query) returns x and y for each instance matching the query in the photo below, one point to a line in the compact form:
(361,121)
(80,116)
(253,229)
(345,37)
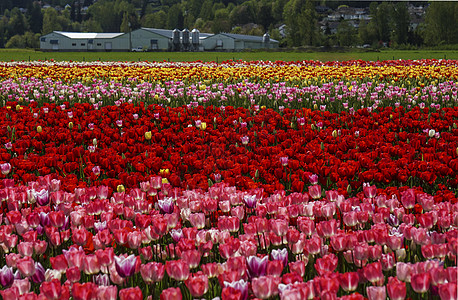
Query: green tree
(35,17)
(17,23)
(221,23)
(300,19)
(264,14)
(401,21)
(125,25)
(91,26)
(175,18)
(50,22)
(346,34)
(154,20)
(440,23)
(206,12)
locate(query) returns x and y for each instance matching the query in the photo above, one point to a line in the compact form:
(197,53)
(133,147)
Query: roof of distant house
(89,35)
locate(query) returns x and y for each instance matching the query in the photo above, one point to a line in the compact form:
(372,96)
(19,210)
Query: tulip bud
(256,174)
(39,129)
(70,125)
(313,127)
(315,106)
(8,128)
(210,182)
(334,133)
(456,150)
(348,189)
(322,146)
(121,188)
(94,142)
(455,126)
(148,135)
(391,117)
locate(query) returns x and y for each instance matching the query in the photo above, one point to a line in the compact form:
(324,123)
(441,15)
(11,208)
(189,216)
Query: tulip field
(233,180)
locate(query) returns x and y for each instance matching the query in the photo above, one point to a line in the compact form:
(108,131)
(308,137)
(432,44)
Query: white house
(81,41)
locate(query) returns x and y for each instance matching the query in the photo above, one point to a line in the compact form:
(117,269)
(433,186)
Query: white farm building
(152,39)
(81,41)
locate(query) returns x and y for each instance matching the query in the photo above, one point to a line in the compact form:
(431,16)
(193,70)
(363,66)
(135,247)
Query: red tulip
(448,291)
(191,257)
(326,264)
(52,289)
(73,274)
(298,267)
(197,285)
(26,266)
(177,269)
(152,272)
(11,293)
(171,294)
(420,282)
(349,281)
(373,272)
(91,265)
(396,289)
(133,293)
(274,267)
(230,293)
(84,291)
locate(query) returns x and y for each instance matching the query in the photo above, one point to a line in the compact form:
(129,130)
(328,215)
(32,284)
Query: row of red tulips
(247,148)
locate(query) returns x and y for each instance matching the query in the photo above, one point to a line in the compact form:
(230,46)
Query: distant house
(81,41)
(237,42)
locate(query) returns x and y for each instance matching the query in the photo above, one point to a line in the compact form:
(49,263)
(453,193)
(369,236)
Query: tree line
(22,22)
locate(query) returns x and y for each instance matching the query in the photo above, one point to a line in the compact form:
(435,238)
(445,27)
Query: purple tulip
(240,285)
(125,266)
(166,205)
(281,255)
(257,266)
(42,197)
(6,276)
(5,168)
(250,201)
(39,275)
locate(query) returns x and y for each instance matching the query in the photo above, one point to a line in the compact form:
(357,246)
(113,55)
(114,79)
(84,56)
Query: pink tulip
(376,292)
(265,286)
(171,294)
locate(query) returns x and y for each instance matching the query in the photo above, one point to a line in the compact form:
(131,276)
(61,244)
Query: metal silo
(195,36)
(266,40)
(185,39)
(176,39)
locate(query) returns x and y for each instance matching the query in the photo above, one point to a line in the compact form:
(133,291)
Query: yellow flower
(39,129)
(121,188)
(164,172)
(334,134)
(18,107)
(148,135)
(203,126)
(70,125)
(164,180)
